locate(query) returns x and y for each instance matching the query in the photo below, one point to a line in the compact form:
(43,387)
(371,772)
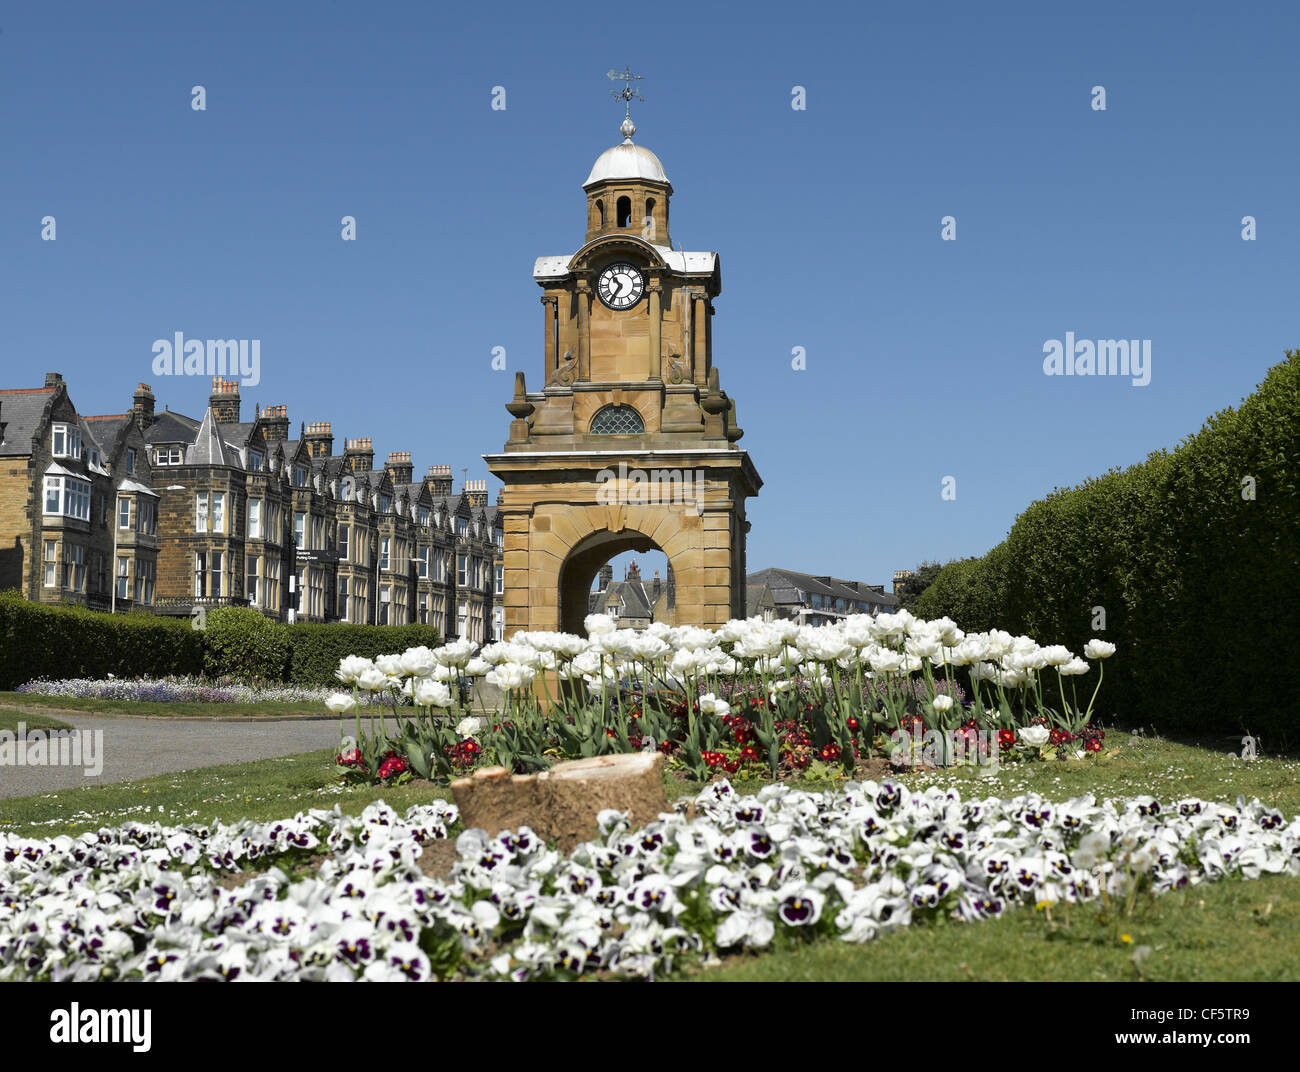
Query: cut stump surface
(563,802)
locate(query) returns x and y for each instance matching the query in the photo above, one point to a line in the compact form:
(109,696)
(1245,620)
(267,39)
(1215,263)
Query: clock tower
(630,443)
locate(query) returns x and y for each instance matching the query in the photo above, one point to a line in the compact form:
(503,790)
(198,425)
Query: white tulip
(1034,736)
(1098,649)
(431,694)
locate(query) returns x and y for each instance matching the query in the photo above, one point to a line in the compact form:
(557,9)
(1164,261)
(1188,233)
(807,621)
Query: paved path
(142,747)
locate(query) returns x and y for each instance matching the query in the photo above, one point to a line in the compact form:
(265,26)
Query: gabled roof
(22,411)
(108,431)
(633,599)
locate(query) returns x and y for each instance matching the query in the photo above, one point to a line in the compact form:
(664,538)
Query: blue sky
(924,357)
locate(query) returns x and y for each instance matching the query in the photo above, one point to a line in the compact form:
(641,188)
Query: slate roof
(21,412)
(633,598)
(208,447)
(786,586)
(107,430)
(169,427)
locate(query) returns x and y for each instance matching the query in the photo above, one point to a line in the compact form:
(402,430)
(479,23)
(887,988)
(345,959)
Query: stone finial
(519,406)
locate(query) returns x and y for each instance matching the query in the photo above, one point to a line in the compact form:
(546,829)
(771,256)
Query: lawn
(9,720)
(1229,930)
(1232,930)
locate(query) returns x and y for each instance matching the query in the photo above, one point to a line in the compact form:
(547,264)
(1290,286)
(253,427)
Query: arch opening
(580,574)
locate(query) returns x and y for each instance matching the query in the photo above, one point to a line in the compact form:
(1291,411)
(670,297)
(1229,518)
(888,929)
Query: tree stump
(563,802)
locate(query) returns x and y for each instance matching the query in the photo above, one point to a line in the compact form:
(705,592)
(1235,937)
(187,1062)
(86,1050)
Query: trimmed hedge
(1200,584)
(66,641)
(315,649)
(241,642)
(55,641)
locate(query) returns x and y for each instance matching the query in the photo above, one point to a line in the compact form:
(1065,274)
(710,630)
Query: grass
(1239,930)
(265,789)
(9,721)
(141,707)
(1234,930)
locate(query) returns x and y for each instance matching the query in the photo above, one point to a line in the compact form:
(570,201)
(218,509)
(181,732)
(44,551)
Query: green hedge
(1200,585)
(65,641)
(39,640)
(241,642)
(317,649)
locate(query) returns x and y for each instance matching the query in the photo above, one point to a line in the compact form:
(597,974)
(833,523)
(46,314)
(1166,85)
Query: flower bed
(172,690)
(323,896)
(750,698)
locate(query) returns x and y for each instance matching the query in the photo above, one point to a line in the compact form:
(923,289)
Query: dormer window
(255,460)
(299,476)
(67,441)
(385,503)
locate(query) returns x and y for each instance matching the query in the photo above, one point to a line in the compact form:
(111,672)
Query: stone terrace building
(78,513)
(812,600)
(633,602)
(220,511)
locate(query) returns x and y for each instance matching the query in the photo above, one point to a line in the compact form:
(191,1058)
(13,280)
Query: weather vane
(627,94)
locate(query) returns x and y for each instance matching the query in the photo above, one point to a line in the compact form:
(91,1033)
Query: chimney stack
(142,406)
(53,379)
(476,490)
(439,480)
(399,466)
(606,576)
(275,423)
(224,401)
(319,439)
(657,586)
(358,455)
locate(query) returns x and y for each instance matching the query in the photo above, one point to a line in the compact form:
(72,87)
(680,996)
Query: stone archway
(580,567)
(561,527)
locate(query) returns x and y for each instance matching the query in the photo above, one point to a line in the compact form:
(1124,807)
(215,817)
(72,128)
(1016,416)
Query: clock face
(620,286)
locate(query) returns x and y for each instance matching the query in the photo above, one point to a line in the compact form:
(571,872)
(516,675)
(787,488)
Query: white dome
(626,161)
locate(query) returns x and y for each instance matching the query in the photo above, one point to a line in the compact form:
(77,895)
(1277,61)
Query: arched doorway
(580,568)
